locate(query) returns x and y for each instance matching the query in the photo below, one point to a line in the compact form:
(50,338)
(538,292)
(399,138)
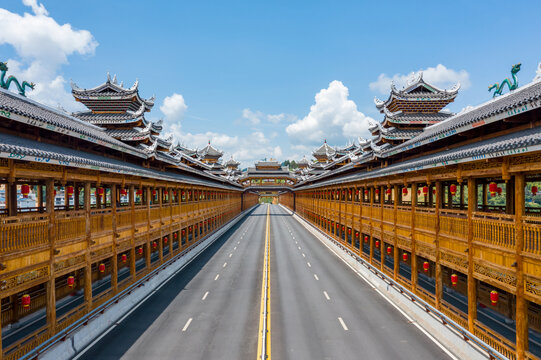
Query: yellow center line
(264,334)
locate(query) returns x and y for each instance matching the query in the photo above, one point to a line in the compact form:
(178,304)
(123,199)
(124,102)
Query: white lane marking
(217,276)
(235,248)
(296,242)
(303,255)
(326,295)
(225,264)
(205,296)
(238,242)
(230,255)
(343,323)
(316,277)
(440,345)
(308,264)
(187,324)
(299,247)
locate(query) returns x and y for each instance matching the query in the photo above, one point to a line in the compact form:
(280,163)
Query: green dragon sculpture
(6,84)
(499,87)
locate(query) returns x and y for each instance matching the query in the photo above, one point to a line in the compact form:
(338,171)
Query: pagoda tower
(324,153)
(209,155)
(408,111)
(121,112)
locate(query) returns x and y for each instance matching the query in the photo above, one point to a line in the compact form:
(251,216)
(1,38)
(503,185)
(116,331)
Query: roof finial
(325,141)
(209,141)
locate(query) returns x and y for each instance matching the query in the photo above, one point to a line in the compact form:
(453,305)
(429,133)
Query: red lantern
(69,190)
(454,279)
(388,191)
(165,240)
(377,191)
(426,266)
(493,188)
(123,192)
(365,238)
(349,231)
(25,301)
(405,256)
(154,245)
(140,250)
(499,190)
(452,189)
(389,250)
(534,190)
(494,297)
(174,193)
(101,268)
(100,191)
(139,192)
(183,232)
(175,236)
(356,234)
(124,258)
(405,191)
(425,190)
(366,192)
(377,243)
(25,190)
(419,192)
(71,281)
(434,191)
(165,192)
(153,192)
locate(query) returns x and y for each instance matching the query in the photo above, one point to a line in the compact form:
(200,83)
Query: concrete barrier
(113,315)
(432,327)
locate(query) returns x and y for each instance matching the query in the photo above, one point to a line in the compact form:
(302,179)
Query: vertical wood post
(413,248)
(114,257)
(160,193)
(382,250)
(131,193)
(88,257)
(472,284)
(439,280)
(394,196)
(371,199)
(521,303)
(50,285)
(148,191)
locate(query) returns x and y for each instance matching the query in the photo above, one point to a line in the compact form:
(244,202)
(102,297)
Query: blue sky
(245,74)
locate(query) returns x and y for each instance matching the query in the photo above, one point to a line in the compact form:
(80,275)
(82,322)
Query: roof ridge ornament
(499,87)
(5,84)
(537,73)
(114,79)
(108,77)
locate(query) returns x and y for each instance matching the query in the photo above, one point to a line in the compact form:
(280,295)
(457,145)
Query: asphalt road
(320,309)
(210,310)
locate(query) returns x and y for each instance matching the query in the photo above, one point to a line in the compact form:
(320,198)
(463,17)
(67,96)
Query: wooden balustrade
(425,219)
(23,231)
(155,212)
(123,218)
(404,217)
(101,220)
(68,228)
(498,342)
(532,235)
(494,229)
(454,223)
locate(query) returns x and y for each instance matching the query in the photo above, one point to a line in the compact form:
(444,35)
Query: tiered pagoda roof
(324,153)
(408,111)
(232,164)
(121,111)
(209,154)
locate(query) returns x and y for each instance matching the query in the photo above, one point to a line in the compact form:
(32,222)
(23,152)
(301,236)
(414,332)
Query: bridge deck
(320,309)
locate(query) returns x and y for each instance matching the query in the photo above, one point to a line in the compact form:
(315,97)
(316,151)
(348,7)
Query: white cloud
(440,76)
(333,117)
(173,107)
(256,117)
(43,46)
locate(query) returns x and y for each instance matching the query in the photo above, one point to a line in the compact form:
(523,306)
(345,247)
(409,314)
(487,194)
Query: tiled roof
(30,150)
(324,150)
(22,109)
(209,151)
(417,118)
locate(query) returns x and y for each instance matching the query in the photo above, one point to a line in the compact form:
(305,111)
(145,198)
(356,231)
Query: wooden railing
(498,342)
(24,345)
(404,216)
(495,229)
(123,218)
(425,219)
(454,223)
(23,231)
(101,220)
(532,235)
(70,225)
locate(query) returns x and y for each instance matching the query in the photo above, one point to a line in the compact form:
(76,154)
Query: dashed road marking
(299,247)
(316,277)
(187,324)
(217,276)
(308,264)
(303,255)
(235,248)
(230,255)
(326,295)
(343,324)
(205,296)
(225,264)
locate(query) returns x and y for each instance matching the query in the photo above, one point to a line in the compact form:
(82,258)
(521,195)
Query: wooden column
(382,250)
(438,276)
(521,302)
(472,283)
(88,257)
(50,285)
(114,258)
(160,242)
(394,196)
(371,199)
(148,191)
(131,194)
(170,227)
(339,233)
(11,188)
(413,250)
